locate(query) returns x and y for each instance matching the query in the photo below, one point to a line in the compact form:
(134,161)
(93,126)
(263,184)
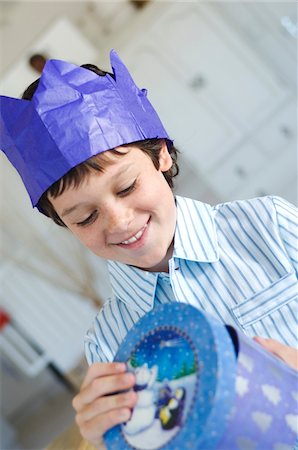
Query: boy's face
(127,213)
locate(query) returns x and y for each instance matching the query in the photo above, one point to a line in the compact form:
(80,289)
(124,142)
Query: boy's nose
(118,219)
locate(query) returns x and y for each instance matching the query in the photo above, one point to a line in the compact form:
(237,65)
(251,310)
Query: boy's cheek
(89,238)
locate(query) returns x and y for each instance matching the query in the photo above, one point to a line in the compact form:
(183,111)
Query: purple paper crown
(73,115)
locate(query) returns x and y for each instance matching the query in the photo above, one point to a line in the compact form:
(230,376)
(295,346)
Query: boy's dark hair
(98,163)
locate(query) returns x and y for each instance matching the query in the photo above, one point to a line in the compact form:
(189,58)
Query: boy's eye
(127,190)
(90,219)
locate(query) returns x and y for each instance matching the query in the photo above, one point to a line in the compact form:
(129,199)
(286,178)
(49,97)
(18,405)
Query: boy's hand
(288,354)
(97,410)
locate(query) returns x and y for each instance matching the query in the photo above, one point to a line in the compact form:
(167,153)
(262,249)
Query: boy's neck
(163,265)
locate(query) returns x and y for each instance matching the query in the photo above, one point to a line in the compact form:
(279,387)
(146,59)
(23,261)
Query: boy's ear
(165,159)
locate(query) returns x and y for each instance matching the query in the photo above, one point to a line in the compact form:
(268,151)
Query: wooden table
(70,440)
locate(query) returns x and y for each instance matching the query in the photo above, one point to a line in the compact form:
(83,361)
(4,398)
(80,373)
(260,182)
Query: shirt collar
(133,286)
(195,240)
(195,235)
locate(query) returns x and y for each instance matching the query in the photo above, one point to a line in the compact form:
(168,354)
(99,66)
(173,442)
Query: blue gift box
(203,385)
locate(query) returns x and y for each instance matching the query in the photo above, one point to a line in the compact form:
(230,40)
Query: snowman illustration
(143,414)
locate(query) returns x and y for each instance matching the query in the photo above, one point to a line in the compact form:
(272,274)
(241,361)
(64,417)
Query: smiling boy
(127,222)
(95,158)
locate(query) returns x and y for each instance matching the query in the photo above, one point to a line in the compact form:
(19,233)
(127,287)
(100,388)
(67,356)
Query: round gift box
(185,367)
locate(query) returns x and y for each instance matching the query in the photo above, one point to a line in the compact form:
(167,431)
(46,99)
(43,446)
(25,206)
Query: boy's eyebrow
(67,211)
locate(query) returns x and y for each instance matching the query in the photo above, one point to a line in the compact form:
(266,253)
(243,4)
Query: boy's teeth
(134,238)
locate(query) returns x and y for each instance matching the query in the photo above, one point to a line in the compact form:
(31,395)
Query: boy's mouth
(136,237)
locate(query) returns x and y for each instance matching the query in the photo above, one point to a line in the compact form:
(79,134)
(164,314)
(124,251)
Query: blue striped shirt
(237,261)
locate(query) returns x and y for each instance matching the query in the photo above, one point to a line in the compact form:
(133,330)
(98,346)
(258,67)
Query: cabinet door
(279,134)
(266,165)
(238,169)
(270,29)
(198,132)
(216,95)
(277,141)
(206,50)
(279,177)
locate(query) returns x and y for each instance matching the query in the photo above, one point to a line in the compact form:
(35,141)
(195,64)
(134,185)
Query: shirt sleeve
(100,341)
(92,350)
(287,218)
(95,352)
(107,332)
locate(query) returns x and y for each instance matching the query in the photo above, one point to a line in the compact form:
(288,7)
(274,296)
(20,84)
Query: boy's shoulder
(268,201)
(269,214)
(270,206)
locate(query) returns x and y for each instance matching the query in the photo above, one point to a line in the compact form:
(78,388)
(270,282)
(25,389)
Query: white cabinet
(215,65)
(239,168)
(228,108)
(197,130)
(278,136)
(264,164)
(278,177)
(270,28)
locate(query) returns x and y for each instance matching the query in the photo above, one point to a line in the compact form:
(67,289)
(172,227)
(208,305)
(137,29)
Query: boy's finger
(102,369)
(101,387)
(93,430)
(288,354)
(106,404)
(270,344)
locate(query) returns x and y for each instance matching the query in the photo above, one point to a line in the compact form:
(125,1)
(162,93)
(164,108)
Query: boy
(95,157)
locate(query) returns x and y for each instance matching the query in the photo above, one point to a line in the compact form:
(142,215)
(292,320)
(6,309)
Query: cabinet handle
(240,172)
(198,82)
(286,131)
